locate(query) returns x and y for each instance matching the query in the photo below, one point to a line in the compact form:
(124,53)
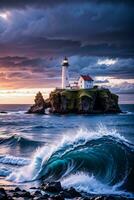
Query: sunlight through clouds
(5,15)
(107,61)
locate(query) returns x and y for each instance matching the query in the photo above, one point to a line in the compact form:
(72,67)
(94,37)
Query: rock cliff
(83,101)
(39,105)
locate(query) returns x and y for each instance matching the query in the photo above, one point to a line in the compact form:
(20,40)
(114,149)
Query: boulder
(3,194)
(17,189)
(37,193)
(52,187)
(72,193)
(57,197)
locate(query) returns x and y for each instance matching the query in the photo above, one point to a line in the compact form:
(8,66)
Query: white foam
(88,184)
(67,142)
(13,160)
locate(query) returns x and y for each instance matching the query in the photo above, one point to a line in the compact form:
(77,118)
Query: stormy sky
(97,36)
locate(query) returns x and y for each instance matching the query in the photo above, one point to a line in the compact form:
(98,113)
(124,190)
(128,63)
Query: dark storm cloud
(48,3)
(33,68)
(38,34)
(103,81)
(71,29)
(51,68)
(122,68)
(123,88)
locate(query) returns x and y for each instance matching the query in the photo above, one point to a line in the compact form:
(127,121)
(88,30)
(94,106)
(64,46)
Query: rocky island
(77,101)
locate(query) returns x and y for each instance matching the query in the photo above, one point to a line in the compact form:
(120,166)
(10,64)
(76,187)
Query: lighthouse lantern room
(65,75)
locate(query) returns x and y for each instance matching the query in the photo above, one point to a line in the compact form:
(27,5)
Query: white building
(85,82)
(65,75)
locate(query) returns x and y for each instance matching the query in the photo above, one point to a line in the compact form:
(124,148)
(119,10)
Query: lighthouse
(65,75)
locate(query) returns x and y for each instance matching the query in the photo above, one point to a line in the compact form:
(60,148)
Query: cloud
(101,81)
(50,68)
(122,68)
(38,34)
(4,4)
(123,88)
(60,29)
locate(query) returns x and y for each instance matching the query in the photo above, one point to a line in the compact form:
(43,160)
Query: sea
(92,153)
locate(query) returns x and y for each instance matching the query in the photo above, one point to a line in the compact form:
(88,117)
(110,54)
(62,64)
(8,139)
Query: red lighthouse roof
(86,78)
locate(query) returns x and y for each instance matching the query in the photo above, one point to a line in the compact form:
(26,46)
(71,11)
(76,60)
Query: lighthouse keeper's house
(84,81)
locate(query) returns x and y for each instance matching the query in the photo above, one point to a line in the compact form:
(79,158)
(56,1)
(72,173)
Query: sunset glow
(33,44)
(22,96)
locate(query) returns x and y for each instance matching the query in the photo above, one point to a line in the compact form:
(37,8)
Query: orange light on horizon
(22,96)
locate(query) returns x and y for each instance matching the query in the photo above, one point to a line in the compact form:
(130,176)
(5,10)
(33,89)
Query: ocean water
(93,153)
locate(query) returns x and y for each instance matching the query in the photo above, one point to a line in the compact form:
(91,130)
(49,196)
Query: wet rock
(57,197)
(39,105)
(72,193)
(66,194)
(9,198)
(26,194)
(22,194)
(3,112)
(16,194)
(17,189)
(33,188)
(52,187)
(3,195)
(37,193)
(43,197)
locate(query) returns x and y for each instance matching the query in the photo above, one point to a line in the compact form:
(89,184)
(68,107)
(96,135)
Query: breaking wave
(19,140)
(102,158)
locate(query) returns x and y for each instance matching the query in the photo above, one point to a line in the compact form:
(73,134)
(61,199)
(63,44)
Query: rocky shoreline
(82,101)
(51,191)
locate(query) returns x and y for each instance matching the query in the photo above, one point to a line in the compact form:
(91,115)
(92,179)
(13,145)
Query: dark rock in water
(37,193)
(52,187)
(82,101)
(3,112)
(39,106)
(57,197)
(44,197)
(17,189)
(22,194)
(26,194)
(57,193)
(72,193)
(3,195)
(33,188)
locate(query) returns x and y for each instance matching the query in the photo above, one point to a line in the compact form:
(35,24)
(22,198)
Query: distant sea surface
(92,153)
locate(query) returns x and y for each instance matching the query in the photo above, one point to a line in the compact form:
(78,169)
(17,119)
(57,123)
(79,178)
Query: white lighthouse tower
(65,75)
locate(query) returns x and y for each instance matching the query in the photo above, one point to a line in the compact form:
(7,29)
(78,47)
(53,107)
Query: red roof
(86,78)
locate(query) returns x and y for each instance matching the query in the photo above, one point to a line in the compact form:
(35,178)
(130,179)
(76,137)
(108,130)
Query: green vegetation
(95,100)
(84,100)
